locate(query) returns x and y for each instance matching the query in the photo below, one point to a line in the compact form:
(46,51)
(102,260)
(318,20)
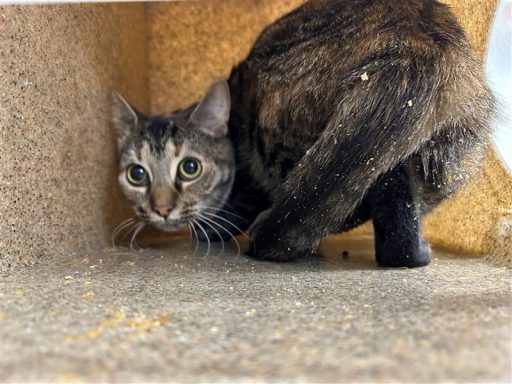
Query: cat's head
(175,167)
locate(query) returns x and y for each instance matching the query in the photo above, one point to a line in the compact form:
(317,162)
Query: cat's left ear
(212,114)
(124,117)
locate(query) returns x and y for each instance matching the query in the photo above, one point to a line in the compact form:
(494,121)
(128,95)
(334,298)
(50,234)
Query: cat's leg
(361,214)
(404,195)
(396,215)
(394,205)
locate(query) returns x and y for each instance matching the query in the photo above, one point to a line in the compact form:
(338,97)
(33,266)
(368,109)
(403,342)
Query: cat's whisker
(202,219)
(121,226)
(136,243)
(223,203)
(206,235)
(119,229)
(138,228)
(130,233)
(130,230)
(196,238)
(225,211)
(226,230)
(229,222)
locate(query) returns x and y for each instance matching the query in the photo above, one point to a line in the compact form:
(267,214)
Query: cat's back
(426,25)
(309,57)
(302,64)
(328,56)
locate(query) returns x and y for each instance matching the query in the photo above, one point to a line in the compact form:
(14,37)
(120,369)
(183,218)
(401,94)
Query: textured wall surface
(192,43)
(58,65)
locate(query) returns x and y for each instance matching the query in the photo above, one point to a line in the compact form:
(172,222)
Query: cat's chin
(170,226)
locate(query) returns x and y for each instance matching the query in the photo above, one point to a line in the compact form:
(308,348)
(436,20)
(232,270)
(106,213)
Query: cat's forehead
(171,150)
(158,131)
(158,134)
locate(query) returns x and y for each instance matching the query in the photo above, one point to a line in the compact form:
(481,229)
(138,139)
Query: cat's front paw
(270,246)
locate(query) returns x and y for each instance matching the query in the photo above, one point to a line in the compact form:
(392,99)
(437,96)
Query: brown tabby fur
(351,110)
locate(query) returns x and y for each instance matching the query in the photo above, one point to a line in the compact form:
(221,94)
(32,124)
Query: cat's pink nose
(163,210)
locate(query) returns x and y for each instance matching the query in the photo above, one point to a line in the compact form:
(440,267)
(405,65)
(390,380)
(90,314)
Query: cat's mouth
(170,225)
(206,219)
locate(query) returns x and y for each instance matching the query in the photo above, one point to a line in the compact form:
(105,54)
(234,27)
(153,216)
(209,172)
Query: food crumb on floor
(89,295)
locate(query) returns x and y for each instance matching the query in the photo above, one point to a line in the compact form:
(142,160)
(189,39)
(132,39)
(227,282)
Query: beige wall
(192,43)
(58,65)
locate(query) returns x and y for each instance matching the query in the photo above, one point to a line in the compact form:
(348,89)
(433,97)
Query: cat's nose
(163,210)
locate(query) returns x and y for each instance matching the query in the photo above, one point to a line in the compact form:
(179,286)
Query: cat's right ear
(212,114)
(124,117)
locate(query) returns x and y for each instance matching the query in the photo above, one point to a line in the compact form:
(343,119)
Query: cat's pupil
(190,167)
(137,173)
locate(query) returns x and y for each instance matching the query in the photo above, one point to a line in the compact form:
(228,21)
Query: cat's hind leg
(392,113)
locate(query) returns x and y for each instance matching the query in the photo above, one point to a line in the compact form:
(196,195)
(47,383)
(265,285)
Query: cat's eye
(189,169)
(137,175)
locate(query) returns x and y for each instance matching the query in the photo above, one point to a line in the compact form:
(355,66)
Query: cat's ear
(212,114)
(124,117)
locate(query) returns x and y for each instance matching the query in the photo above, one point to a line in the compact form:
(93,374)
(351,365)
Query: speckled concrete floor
(168,315)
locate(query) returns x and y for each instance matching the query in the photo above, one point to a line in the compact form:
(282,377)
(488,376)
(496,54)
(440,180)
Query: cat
(344,111)
(172,169)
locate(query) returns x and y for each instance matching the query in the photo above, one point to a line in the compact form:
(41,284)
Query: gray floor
(168,315)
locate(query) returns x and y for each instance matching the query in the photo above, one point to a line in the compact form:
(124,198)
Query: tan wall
(58,65)
(192,43)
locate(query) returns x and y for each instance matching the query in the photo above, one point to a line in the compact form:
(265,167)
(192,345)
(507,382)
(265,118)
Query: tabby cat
(343,111)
